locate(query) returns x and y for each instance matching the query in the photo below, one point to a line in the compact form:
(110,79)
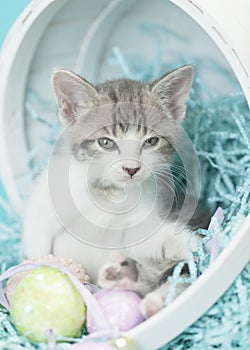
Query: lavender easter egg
(120,307)
(47,299)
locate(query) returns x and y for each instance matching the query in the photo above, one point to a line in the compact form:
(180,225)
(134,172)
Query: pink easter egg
(120,307)
(88,345)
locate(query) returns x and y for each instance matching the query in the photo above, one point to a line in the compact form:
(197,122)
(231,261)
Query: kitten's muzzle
(131,171)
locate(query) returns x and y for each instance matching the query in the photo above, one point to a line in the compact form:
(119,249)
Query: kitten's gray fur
(114,109)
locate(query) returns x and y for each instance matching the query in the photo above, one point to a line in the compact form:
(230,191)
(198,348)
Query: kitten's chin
(132,181)
(118,183)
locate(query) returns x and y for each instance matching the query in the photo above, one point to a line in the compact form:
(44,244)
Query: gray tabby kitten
(109,183)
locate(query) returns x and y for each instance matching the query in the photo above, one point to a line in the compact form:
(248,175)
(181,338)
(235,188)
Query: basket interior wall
(142,40)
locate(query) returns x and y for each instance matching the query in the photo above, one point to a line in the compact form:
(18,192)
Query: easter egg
(72,266)
(120,307)
(47,299)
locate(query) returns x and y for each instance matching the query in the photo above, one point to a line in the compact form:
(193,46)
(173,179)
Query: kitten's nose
(131,171)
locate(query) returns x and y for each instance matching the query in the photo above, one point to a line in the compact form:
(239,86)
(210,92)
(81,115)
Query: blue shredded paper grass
(219,128)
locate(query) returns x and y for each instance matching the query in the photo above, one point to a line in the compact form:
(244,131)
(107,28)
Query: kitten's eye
(152,141)
(107,143)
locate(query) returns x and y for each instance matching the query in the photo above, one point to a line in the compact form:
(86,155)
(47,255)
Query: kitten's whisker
(163,181)
(177,186)
(166,174)
(170,174)
(181,173)
(183,170)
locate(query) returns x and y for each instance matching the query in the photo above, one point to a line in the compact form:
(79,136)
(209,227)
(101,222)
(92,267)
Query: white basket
(78,35)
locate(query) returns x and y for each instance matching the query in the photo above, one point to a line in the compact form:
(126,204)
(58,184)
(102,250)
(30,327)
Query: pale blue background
(9,11)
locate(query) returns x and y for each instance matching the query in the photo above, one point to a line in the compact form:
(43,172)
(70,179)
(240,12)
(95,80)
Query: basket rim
(216,280)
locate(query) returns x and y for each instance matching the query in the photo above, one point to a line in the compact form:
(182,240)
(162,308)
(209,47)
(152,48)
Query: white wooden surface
(227,22)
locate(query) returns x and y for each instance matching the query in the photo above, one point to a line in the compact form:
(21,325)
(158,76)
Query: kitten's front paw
(121,274)
(151,304)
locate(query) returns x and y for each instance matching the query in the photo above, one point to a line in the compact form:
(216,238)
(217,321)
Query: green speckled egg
(47,299)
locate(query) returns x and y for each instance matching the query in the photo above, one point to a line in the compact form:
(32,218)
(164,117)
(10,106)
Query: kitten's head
(126,129)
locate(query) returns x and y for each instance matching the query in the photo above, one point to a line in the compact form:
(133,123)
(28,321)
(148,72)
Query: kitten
(106,199)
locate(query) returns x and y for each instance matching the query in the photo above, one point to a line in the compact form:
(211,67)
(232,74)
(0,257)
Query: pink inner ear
(67,115)
(179,97)
(178,103)
(178,112)
(74,95)
(67,109)
(173,89)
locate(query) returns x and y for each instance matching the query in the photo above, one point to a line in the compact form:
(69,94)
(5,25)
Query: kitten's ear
(173,90)
(74,95)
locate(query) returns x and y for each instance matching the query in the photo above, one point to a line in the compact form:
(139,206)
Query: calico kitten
(106,199)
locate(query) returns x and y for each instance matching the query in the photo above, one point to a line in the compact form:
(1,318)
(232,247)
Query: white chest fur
(114,218)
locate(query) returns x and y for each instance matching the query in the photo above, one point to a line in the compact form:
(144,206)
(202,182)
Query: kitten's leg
(154,301)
